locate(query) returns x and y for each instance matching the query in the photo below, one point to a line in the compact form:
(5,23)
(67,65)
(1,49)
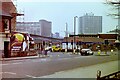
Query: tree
(116,5)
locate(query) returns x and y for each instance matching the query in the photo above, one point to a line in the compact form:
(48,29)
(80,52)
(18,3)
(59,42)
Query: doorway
(6,49)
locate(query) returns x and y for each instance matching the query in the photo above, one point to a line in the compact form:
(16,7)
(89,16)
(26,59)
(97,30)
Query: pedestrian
(39,52)
(45,51)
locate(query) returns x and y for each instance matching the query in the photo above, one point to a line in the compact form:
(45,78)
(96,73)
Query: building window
(5,24)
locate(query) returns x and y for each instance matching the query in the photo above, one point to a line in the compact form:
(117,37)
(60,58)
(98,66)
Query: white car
(86,52)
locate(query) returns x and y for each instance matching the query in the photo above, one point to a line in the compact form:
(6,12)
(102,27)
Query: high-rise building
(90,24)
(29,27)
(45,28)
(42,27)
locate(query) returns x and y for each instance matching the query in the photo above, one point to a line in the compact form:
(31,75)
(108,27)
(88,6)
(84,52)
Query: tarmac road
(32,68)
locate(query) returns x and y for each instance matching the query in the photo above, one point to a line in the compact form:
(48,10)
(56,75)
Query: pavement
(20,58)
(43,56)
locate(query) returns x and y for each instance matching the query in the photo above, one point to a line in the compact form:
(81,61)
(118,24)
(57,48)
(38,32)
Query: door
(6,49)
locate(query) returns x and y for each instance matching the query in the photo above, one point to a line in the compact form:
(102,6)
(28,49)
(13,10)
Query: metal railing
(113,76)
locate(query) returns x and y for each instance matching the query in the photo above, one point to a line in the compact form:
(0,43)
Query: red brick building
(93,40)
(48,41)
(7,24)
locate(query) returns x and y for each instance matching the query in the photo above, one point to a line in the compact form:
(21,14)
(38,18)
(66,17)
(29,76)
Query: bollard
(66,50)
(74,51)
(99,52)
(111,51)
(98,74)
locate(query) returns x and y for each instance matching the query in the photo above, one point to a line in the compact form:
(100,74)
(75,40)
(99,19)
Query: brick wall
(9,8)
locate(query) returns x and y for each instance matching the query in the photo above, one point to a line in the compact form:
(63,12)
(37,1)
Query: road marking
(31,76)
(5,64)
(17,63)
(9,73)
(63,58)
(11,63)
(41,60)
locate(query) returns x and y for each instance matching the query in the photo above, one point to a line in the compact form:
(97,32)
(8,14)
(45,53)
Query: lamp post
(66,37)
(74,33)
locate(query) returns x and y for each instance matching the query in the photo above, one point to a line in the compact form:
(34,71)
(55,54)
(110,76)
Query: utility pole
(74,33)
(66,37)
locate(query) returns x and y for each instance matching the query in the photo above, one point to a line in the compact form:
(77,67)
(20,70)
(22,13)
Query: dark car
(86,52)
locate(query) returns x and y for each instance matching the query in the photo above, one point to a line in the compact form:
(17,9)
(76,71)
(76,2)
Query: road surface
(33,68)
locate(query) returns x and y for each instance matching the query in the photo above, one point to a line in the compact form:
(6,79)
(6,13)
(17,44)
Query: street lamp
(66,37)
(74,32)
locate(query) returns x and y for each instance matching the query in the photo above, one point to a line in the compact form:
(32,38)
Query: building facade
(92,41)
(29,27)
(42,28)
(87,41)
(56,35)
(7,25)
(46,28)
(90,24)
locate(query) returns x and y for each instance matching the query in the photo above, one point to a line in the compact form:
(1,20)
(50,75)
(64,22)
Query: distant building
(57,35)
(90,24)
(30,27)
(45,28)
(42,27)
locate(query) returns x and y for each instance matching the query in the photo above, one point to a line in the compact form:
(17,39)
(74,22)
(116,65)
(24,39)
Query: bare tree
(116,6)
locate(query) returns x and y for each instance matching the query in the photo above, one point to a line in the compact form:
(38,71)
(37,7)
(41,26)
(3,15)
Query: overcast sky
(62,11)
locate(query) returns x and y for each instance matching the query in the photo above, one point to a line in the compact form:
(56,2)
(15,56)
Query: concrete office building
(29,27)
(46,28)
(90,24)
(42,28)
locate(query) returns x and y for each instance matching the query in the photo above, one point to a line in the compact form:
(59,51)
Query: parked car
(56,48)
(86,52)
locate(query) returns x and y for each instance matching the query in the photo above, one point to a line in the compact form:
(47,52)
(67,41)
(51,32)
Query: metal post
(98,74)
(66,37)
(74,33)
